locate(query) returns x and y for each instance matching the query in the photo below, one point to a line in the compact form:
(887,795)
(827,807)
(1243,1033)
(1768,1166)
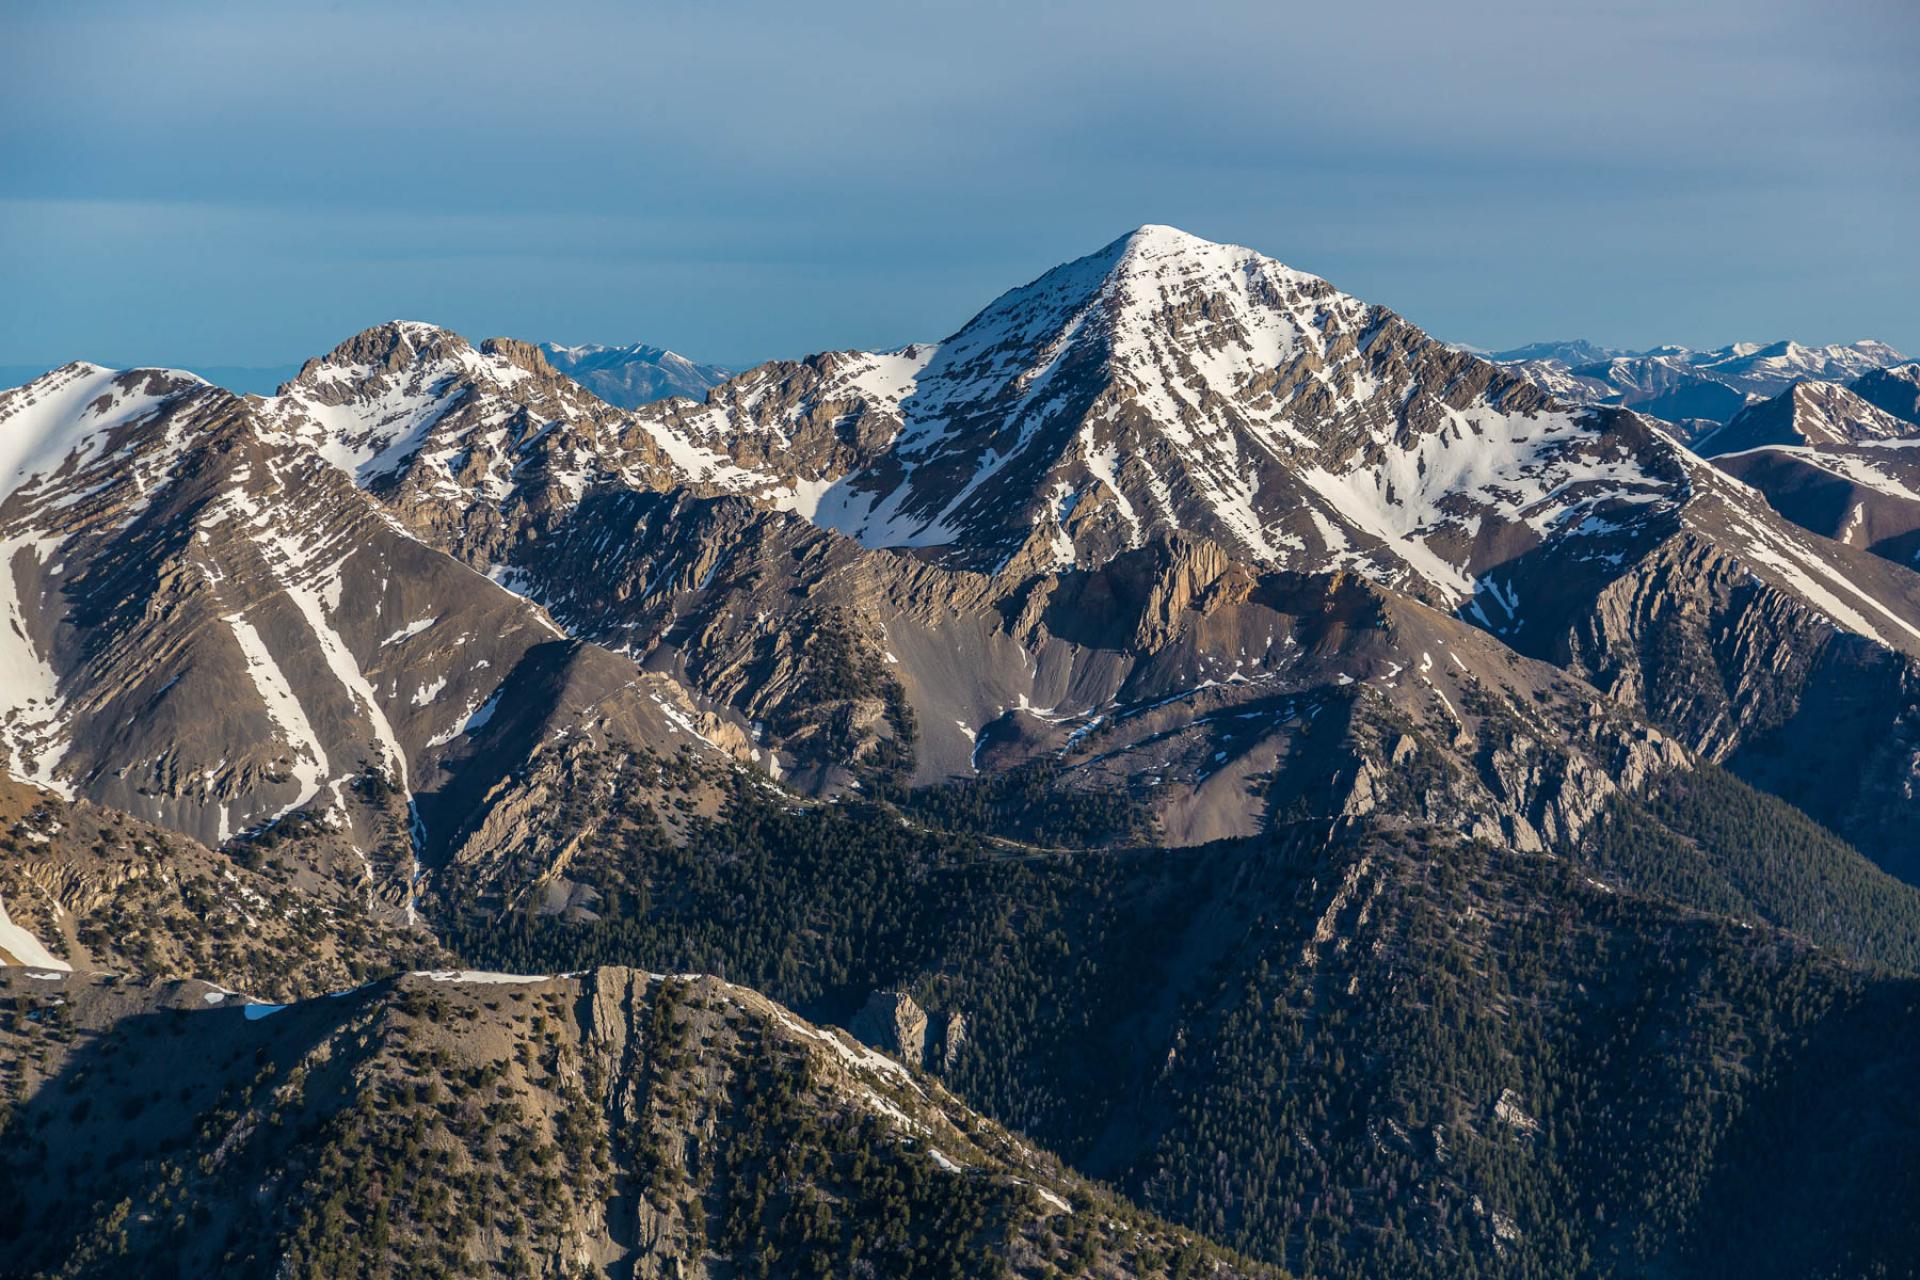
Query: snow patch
(19,947)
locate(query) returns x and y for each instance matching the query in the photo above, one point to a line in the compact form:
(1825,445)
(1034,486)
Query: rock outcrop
(893,1023)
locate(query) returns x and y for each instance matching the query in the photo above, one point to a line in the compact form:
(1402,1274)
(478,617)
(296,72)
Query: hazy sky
(248,183)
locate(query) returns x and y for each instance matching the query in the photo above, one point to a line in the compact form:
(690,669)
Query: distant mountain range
(1682,385)
(1376,809)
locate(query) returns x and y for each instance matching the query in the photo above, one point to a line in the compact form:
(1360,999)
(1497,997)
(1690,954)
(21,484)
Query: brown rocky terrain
(97,889)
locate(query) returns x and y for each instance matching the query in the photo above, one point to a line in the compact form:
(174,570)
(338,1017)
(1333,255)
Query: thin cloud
(751,177)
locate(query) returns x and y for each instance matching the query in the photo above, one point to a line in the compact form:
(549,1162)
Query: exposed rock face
(1748,674)
(953,1040)
(523,355)
(893,1023)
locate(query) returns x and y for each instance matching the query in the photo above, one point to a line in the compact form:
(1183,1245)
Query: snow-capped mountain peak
(369,405)
(1164,383)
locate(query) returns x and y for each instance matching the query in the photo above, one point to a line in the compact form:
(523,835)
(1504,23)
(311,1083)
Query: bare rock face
(1744,670)
(523,355)
(893,1022)
(1185,583)
(953,1040)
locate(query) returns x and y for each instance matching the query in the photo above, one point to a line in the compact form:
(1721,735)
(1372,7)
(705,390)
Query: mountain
(1115,406)
(1895,390)
(1317,432)
(634,375)
(1167,383)
(1789,361)
(1363,1047)
(1306,775)
(1807,414)
(214,630)
(1834,461)
(1680,384)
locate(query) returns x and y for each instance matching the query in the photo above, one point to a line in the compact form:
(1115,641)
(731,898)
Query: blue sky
(248,183)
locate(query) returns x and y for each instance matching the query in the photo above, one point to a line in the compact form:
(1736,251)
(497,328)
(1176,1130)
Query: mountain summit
(1166,382)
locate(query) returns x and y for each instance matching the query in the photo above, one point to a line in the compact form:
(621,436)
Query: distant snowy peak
(1787,361)
(1782,358)
(1570,354)
(636,374)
